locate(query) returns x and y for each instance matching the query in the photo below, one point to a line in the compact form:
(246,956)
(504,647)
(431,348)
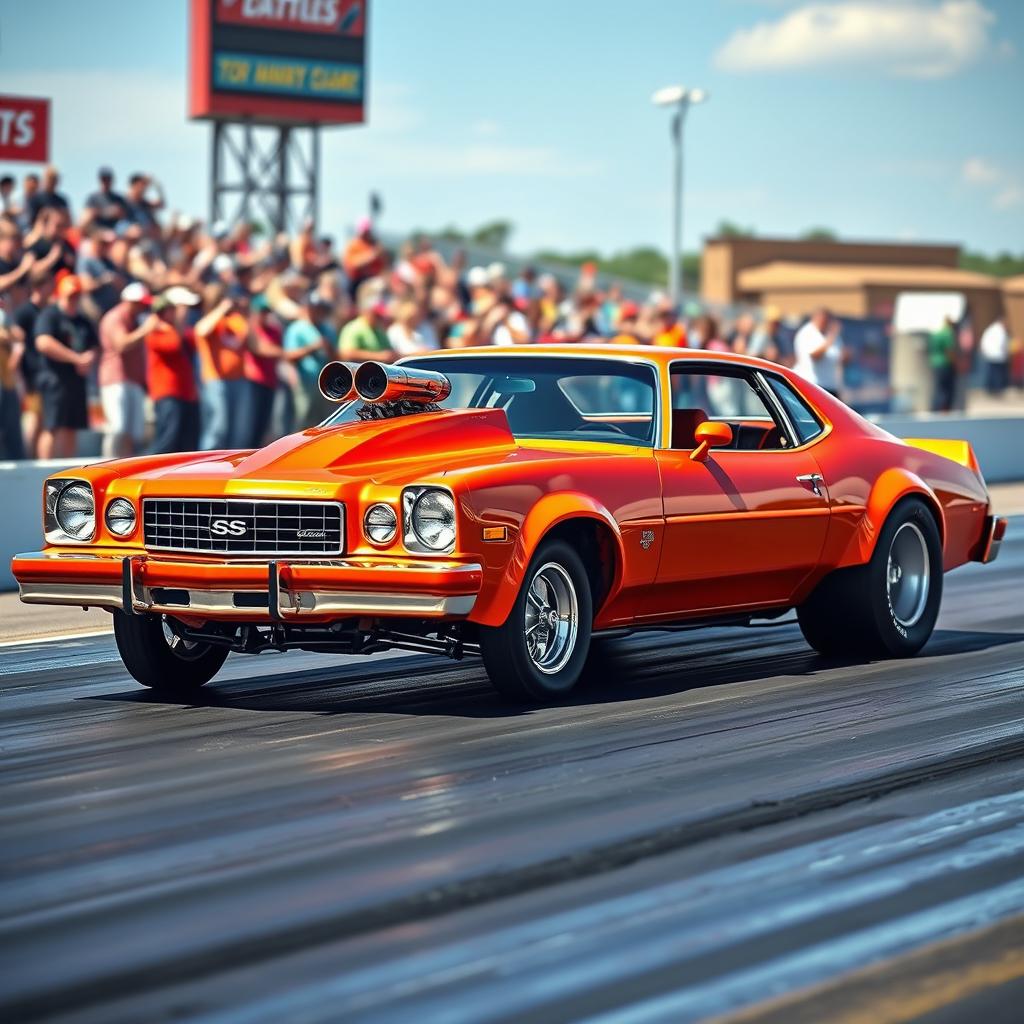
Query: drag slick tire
(159,659)
(888,607)
(538,654)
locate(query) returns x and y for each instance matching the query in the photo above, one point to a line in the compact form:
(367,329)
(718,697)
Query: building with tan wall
(856,279)
(1013,303)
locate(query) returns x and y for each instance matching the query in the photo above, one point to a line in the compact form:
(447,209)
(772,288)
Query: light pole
(680,99)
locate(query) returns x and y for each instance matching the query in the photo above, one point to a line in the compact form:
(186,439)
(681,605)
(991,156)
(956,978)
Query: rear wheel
(160,659)
(538,654)
(888,607)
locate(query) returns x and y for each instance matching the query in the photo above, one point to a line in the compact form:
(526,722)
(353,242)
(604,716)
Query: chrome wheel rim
(908,575)
(552,618)
(187,650)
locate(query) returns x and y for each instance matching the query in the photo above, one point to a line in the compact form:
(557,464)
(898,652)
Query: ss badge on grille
(226,527)
(646,539)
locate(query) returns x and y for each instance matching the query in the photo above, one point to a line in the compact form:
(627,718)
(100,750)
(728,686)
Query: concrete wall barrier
(997,441)
(21,501)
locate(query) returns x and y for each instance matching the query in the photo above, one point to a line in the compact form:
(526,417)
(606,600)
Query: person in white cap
(122,371)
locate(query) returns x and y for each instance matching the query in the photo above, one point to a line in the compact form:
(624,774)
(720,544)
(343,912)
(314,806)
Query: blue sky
(878,118)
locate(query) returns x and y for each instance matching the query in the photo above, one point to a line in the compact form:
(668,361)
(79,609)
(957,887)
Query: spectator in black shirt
(7,205)
(47,196)
(66,342)
(141,209)
(29,189)
(108,207)
(23,327)
(52,251)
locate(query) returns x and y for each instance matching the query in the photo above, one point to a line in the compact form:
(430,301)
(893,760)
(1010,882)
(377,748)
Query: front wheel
(160,659)
(888,607)
(537,655)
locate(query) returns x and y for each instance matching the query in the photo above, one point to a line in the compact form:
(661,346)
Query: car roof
(660,356)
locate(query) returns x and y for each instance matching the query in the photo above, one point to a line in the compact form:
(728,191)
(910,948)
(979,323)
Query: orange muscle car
(515,503)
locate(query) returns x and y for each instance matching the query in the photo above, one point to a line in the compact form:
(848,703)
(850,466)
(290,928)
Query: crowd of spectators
(167,334)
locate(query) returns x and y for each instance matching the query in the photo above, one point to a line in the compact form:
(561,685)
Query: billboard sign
(279,61)
(25,129)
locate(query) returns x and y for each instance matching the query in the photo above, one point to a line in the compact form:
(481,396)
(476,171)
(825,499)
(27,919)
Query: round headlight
(433,520)
(76,511)
(380,524)
(120,517)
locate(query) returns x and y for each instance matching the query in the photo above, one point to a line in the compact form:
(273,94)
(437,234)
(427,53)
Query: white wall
(21,509)
(998,442)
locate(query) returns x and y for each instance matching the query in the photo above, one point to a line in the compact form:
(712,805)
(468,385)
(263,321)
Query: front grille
(234,526)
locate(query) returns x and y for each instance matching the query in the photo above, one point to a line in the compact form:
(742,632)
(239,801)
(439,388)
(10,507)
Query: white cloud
(1003,187)
(905,38)
(978,171)
(1008,197)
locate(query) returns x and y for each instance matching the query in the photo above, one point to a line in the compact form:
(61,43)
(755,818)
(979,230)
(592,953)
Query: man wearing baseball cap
(172,379)
(364,338)
(122,371)
(66,343)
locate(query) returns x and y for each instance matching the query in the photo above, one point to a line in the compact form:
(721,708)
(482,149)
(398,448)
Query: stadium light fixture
(680,99)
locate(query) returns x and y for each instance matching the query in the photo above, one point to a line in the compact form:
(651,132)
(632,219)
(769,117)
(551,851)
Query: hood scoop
(375,443)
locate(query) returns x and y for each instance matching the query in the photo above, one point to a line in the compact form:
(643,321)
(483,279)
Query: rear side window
(805,423)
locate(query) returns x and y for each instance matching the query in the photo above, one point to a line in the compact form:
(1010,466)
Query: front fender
(496,600)
(892,486)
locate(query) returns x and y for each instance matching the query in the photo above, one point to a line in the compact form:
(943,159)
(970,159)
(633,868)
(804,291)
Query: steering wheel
(600,426)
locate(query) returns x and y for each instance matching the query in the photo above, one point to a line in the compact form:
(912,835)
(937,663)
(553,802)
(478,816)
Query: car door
(746,526)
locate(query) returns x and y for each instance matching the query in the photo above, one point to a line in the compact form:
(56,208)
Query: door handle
(814,479)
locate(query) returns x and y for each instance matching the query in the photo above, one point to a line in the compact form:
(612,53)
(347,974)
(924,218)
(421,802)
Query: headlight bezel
(133,518)
(380,541)
(411,536)
(54,530)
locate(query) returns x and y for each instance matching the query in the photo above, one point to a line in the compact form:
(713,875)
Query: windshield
(563,398)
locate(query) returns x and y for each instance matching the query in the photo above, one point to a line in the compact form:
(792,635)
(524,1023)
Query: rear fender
(891,487)
(493,608)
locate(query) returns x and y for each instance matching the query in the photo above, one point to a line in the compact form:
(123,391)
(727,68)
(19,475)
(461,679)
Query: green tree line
(649,265)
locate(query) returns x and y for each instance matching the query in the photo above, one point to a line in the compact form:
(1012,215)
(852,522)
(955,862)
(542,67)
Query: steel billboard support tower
(264,174)
(269,77)
(680,99)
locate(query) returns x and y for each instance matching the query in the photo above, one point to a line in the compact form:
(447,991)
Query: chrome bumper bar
(282,604)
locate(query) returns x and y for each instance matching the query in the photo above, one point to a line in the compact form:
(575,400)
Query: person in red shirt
(262,356)
(171,377)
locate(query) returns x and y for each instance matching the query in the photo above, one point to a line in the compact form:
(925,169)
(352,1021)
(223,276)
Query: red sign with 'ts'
(25,129)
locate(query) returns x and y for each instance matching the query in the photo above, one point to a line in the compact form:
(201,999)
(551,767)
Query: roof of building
(1014,284)
(782,275)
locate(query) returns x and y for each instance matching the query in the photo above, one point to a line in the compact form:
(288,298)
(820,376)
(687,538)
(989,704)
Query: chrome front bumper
(286,591)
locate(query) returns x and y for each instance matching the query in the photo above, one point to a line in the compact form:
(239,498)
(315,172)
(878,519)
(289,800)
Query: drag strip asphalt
(724,824)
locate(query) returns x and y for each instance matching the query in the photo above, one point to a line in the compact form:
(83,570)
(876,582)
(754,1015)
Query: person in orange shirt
(627,326)
(363,257)
(670,332)
(222,337)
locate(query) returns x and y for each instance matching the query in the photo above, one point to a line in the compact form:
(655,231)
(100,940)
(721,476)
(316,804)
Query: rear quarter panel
(867,475)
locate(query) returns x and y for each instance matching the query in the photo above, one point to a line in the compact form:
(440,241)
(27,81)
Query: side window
(722,393)
(805,423)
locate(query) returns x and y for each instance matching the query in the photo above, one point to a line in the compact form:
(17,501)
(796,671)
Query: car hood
(365,450)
